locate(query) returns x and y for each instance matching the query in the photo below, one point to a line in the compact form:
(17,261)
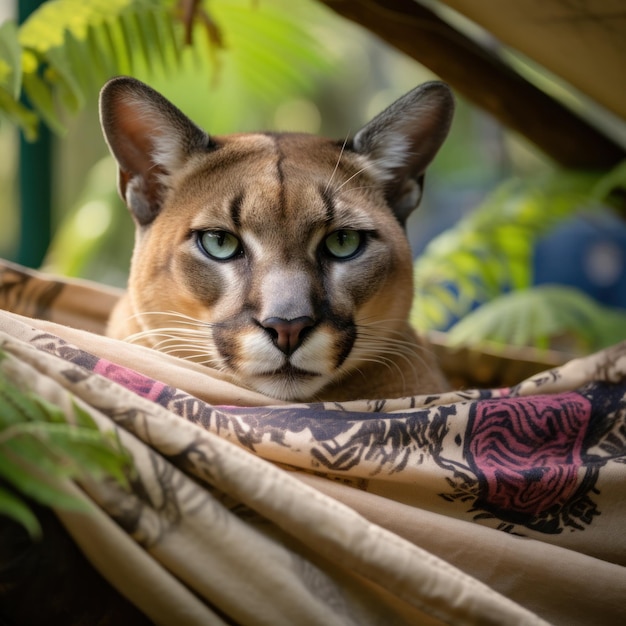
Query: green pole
(34,183)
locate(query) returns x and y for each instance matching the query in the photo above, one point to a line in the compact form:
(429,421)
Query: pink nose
(287,335)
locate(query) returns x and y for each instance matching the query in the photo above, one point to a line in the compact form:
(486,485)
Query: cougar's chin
(289,383)
(261,366)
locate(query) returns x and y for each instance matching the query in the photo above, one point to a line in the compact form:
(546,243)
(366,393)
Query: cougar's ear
(403,140)
(150,138)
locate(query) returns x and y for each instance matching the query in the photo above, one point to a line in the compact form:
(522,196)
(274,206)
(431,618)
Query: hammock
(490,506)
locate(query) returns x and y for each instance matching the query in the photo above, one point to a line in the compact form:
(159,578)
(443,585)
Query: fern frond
(547,316)
(489,252)
(11,81)
(39,449)
(67,49)
(70,47)
(271,47)
(10,59)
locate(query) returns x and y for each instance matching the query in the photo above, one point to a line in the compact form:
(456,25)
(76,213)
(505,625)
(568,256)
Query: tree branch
(485,80)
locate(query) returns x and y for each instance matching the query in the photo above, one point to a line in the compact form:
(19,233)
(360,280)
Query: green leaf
(79,61)
(16,407)
(15,508)
(19,115)
(40,96)
(541,316)
(69,48)
(156,20)
(100,62)
(144,35)
(32,441)
(615,179)
(27,478)
(65,76)
(10,59)
(39,450)
(489,252)
(72,46)
(126,30)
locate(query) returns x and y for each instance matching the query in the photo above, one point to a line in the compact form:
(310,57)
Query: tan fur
(281,195)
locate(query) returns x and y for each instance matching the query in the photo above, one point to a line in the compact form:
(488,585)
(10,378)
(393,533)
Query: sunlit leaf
(67,78)
(10,59)
(140,32)
(40,96)
(158,37)
(538,315)
(489,252)
(19,115)
(73,46)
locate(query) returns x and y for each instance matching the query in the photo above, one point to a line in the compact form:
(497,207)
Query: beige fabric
(388,512)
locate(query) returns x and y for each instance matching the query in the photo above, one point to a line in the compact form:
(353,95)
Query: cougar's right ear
(401,142)
(150,139)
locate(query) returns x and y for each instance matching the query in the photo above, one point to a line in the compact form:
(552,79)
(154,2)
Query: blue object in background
(589,253)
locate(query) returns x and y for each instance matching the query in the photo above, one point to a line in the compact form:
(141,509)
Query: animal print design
(514,461)
(24,294)
(528,458)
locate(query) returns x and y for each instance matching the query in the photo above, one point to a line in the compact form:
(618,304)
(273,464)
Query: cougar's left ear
(403,140)
(150,139)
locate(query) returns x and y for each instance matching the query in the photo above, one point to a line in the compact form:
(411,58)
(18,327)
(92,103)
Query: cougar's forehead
(257,182)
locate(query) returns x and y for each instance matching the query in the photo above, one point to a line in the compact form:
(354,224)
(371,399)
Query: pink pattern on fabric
(528,450)
(134,381)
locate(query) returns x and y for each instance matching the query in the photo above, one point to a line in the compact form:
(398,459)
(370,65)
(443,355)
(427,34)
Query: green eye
(343,244)
(219,244)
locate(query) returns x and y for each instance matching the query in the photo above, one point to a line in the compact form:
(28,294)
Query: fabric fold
(501,505)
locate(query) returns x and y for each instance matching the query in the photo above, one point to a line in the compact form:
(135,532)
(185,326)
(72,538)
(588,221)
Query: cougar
(280,259)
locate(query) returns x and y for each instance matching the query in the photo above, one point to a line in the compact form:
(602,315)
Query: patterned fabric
(503,506)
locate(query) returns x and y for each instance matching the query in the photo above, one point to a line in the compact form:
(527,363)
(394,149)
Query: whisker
(386,362)
(182,347)
(174,315)
(364,331)
(384,341)
(365,167)
(369,339)
(181,336)
(396,346)
(343,147)
(360,187)
(165,333)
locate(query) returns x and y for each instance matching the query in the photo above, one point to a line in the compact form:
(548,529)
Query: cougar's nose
(287,335)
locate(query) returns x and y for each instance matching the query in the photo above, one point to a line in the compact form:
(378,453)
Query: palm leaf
(77,45)
(10,59)
(11,81)
(543,316)
(39,450)
(67,49)
(489,252)
(14,507)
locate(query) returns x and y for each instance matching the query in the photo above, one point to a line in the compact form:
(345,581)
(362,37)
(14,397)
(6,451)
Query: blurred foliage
(239,59)
(546,317)
(465,276)
(67,49)
(96,237)
(40,448)
(247,64)
(251,57)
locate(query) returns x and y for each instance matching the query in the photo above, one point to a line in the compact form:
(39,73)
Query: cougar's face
(279,259)
(276,259)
